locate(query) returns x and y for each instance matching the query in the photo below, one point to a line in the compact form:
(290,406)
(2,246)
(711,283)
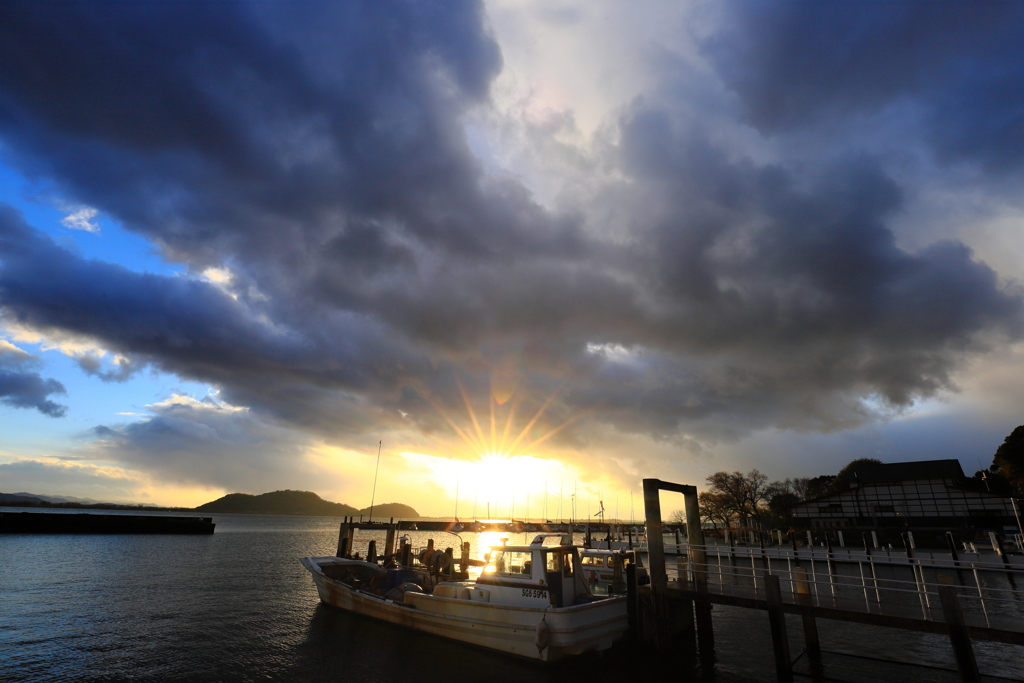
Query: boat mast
(375,470)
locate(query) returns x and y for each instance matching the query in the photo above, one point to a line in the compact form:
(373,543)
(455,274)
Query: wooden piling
(344,539)
(958,637)
(777,619)
(632,601)
(389,540)
(702,610)
(464,560)
(803,593)
(371,551)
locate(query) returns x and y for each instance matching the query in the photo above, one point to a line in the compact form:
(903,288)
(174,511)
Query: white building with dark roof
(927,493)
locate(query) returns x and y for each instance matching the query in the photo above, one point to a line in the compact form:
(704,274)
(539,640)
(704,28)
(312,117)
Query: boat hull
(511,629)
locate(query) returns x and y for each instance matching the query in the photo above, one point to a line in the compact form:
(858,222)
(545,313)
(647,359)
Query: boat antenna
(374,493)
(456,498)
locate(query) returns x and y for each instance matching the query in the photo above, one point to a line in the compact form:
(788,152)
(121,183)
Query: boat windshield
(510,563)
(559,562)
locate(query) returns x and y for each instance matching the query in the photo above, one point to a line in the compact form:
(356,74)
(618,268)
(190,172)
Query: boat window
(554,562)
(559,562)
(510,563)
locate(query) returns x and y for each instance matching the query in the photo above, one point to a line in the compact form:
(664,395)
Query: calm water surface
(237,606)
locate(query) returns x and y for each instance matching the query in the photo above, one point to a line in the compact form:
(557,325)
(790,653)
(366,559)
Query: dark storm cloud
(30,390)
(961,64)
(21,387)
(317,151)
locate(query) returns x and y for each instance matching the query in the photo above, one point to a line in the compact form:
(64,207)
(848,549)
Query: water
(237,606)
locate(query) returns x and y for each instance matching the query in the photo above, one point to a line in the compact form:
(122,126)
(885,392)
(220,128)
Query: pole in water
(374,493)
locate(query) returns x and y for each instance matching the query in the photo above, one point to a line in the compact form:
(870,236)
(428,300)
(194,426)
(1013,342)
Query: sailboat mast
(373,495)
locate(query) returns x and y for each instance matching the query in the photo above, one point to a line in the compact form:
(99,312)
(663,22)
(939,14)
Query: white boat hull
(512,629)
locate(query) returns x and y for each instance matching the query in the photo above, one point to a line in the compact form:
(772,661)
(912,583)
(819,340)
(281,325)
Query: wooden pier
(945,597)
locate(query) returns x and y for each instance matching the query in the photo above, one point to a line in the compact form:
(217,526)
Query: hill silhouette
(290,502)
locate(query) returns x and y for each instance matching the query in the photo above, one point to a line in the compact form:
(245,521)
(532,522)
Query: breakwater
(88,523)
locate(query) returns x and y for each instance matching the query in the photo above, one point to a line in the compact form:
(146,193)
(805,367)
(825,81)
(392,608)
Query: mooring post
(764,557)
(632,601)
(389,540)
(803,595)
(464,560)
(371,551)
(344,539)
(958,636)
(952,549)
(997,546)
(449,563)
(406,551)
(696,553)
(732,557)
(656,556)
(777,619)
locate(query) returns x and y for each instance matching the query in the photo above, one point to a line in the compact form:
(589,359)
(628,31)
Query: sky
(529,251)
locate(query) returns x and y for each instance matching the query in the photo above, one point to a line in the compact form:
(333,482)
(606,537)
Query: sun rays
(497,439)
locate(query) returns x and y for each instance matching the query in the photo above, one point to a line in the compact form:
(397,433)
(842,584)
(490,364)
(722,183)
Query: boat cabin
(535,575)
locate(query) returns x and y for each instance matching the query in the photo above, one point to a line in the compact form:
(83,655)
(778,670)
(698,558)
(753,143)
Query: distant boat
(476,527)
(456,528)
(531,600)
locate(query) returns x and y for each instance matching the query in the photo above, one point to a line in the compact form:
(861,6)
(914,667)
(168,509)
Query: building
(923,494)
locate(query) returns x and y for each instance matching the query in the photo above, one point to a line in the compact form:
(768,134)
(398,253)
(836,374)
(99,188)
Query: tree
(781,505)
(714,508)
(853,464)
(741,494)
(1009,460)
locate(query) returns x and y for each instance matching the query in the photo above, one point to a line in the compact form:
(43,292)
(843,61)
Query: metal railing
(815,579)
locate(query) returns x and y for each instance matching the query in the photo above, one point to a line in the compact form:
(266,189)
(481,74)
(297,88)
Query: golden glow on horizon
(505,486)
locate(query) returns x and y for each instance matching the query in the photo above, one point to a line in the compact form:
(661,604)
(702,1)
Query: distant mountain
(55,499)
(21,498)
(390,510)
(298,503)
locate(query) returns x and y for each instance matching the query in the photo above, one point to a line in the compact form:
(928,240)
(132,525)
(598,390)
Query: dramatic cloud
(957,66)
(50,477)
(22,388)
(357,266)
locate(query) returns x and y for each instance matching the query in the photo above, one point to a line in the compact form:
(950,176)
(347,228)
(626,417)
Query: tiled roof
(904,471)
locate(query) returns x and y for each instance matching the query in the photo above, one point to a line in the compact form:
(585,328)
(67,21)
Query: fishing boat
(530,600)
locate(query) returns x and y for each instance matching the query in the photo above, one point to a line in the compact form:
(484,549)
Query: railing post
(958,636)
(777,619)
